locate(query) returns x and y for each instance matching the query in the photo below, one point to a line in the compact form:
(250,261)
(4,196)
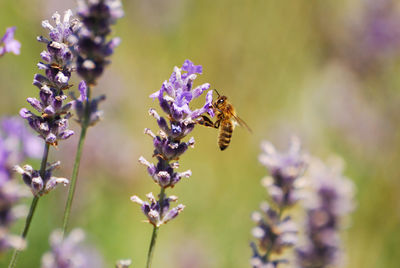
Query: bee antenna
(217,92)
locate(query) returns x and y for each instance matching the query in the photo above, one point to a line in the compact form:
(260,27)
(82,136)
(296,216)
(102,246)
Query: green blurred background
(290,67)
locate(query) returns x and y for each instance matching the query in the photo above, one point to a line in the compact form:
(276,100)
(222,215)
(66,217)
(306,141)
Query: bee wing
(242,123)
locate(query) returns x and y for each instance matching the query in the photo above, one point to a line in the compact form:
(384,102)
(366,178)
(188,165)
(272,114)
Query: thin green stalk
(32,209)
(75,171)
(155,232)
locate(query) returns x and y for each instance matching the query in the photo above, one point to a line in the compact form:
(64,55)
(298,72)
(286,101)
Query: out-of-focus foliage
(327,71)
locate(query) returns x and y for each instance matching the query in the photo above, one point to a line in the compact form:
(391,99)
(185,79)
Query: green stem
(75,171)
(155,232)
(72,186)
(32,209)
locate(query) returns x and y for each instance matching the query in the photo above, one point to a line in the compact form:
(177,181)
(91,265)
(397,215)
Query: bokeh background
(327,71)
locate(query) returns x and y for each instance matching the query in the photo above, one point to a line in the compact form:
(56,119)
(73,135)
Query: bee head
(220,102)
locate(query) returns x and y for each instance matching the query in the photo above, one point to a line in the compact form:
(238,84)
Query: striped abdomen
(225,134)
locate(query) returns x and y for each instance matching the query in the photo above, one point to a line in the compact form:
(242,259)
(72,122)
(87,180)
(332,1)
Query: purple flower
(16,143)
(272,232)
(373,40)
(52,122)
(174,99)
(176,94)
(284,169)
(60,44)
(79,104)
(40,185)
(330,199)
(8,43)
(158,213)
(19,142)
(8,241)
(69,252)
(93,48)
(275,232)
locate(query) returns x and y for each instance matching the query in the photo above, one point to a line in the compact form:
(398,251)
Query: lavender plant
(16,143)
(92,52)
(51,124)
(275,231)
(69,252)
(8,44)
(174,99)
(330,199)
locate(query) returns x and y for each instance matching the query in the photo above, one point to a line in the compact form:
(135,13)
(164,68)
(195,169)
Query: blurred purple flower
(19,143)
(52,122)
(284,169)
(274,232)
(69,252)
(8,43)
(330,198)
(93,48)
(8,241)
(374,40)
(16,143)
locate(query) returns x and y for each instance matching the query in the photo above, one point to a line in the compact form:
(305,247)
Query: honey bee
(226,120)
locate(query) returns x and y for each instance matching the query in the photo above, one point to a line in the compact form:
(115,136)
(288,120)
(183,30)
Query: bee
(226,120)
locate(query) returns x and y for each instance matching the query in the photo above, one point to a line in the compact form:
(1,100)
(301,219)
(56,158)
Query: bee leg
(217,123)
(205,121)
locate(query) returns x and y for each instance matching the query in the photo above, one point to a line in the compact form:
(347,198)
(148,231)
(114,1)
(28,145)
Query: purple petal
(191,68)
(25,113)
(35,104)
(173,213)
(83,90)
(155,95)
(51,138)
(46,56)
(200,89)
(49,110)
(66,134)
(42,66)
(10,44)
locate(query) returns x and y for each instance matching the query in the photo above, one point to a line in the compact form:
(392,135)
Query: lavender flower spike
(330,199)
(8,43)
(284,170)
(52,122)
(274,231)
(93,47)
(174,98)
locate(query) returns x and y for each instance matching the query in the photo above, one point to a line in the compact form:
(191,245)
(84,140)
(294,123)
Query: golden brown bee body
(226,121)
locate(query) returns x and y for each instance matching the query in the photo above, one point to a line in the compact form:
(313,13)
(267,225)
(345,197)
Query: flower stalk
(75,171)
(92,55)
(154,235)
